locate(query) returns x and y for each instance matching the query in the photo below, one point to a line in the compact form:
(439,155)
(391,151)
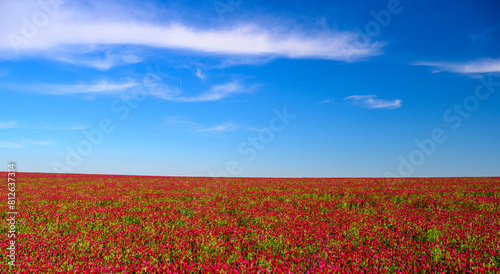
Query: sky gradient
(251,88)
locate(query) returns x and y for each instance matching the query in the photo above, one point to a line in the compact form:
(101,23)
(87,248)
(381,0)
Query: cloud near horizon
(371,102)
(24,143)
(10,145)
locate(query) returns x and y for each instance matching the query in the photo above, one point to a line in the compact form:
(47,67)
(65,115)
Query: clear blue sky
(251,88)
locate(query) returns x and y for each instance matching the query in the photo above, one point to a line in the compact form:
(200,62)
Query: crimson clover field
(133,224)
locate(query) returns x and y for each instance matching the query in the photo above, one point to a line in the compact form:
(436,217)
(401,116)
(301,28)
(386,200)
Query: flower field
(131,224)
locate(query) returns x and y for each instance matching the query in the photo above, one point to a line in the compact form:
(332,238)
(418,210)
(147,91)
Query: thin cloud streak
(9,124)
(59,128)
(153,88)
(43,126)
(109,60)
(24,143)
(37,142)
(178,120)
(99,87)
(371,102)
(219,128)
(217,92)
(200,74)
(196,127)
(478,66)
(10,145)
(327,101)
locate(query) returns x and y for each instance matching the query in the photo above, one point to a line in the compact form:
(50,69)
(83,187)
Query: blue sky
(251,88)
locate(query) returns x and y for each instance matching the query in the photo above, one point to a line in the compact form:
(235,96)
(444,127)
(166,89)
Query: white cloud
(10,145)
(257,129)
(217,92)
(243,40)
(152,84)
(370,101)
(37,142)
(86,57)
(155,86)
(91,25)
(327,101)
(487,65)
(24,143)
(61,128)
(243,60)
(179,121)
(100,87)
(219,128)
(42,126)
(483,37)
(9,124)
(200,74)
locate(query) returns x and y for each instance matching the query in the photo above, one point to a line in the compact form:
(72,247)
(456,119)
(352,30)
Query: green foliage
(186,211)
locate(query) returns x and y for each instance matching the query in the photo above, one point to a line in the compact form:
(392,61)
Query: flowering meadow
(137,224)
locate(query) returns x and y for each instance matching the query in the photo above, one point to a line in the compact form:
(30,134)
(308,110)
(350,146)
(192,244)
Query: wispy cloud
(9,124)
(100,87)
(196,127)
(217,92)
(153,87)
(37,142)
(327,101)
(370,101)
(487,65)
(219,128)
(24,143)
(10,145)
(75,26)
(158,88)
(178,120)
(85,56)
(257,129)
(44,126)
(243,60)
(483,37)
(200,74)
